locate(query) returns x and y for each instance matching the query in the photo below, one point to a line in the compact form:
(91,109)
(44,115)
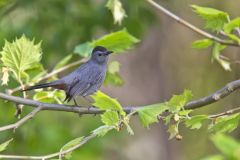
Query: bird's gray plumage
(86,79)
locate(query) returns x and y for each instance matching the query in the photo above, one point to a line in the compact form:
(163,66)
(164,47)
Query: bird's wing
(84,80)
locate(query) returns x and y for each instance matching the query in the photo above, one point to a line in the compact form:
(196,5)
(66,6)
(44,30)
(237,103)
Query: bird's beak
(109,52)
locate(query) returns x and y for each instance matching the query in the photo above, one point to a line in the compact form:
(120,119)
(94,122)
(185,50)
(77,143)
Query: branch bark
(216,96)
(190,26)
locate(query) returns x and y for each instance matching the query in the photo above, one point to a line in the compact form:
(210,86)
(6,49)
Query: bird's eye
(100,54)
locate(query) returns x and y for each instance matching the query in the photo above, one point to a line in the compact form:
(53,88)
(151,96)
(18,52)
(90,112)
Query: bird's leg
(75,102)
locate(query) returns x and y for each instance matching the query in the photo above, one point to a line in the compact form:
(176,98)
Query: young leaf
(70,144)
(113,77)
(119,41)
(115,6)
(102,130)
(20,56)
(84,49)
(233,24)
(203,43)
(49,96)
(104,102)
(173,131)
(4,145)
(177,102)
(217,48)
(227,145)
(110,118)
(214,157)
(148,114)
(226,124)
(5,76)
(196,121)
(215,19)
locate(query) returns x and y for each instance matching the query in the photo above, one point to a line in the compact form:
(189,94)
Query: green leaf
(104,102)
(225,124)
(110,118)
(203,43)
(215,19)
(196,121)
(119,41)
(71,144)
(217,48)
(49,96)
(4,145)
(177,102)
(148,114)
(20,56)
(102,130)
(173,131)
(115,6)
(5,76)
(113,77)
(214,157)
(233,24)
(63,62)
(113,67)
(84,49)
(227,145)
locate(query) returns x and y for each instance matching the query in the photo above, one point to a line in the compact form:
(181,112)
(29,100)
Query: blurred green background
(161,65)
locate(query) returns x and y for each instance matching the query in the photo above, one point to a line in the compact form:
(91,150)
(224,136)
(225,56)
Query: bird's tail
(38,86)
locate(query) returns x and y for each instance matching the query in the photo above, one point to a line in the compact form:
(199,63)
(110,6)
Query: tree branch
(21,121)
(216,96)
(190,26)
(221,93)
(57,154)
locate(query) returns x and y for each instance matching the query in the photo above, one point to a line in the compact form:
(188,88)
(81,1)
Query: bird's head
(100,54)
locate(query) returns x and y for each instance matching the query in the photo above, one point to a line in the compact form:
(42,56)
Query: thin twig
(21,121)
(57,154)
(49,75)
(190,26)
(231,111)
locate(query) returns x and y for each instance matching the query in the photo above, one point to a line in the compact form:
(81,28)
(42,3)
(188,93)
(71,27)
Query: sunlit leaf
(84,49)
(5,76)
(215,19)
(195,122)
(20,55)
(203,43)
(217,48)
(102,130)
(214,157)
(149,114)
(104,102)
(115,6)
(49,96)
(110,118)
(71,144)
(173,131)
(113,77)
(225,124)
(177,102)
(233,24)
(4,145)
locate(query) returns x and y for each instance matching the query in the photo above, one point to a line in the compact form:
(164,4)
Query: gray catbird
(85,80)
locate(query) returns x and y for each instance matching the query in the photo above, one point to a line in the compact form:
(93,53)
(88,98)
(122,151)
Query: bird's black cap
(99,48)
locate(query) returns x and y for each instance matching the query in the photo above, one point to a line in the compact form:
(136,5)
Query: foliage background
(161,65)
